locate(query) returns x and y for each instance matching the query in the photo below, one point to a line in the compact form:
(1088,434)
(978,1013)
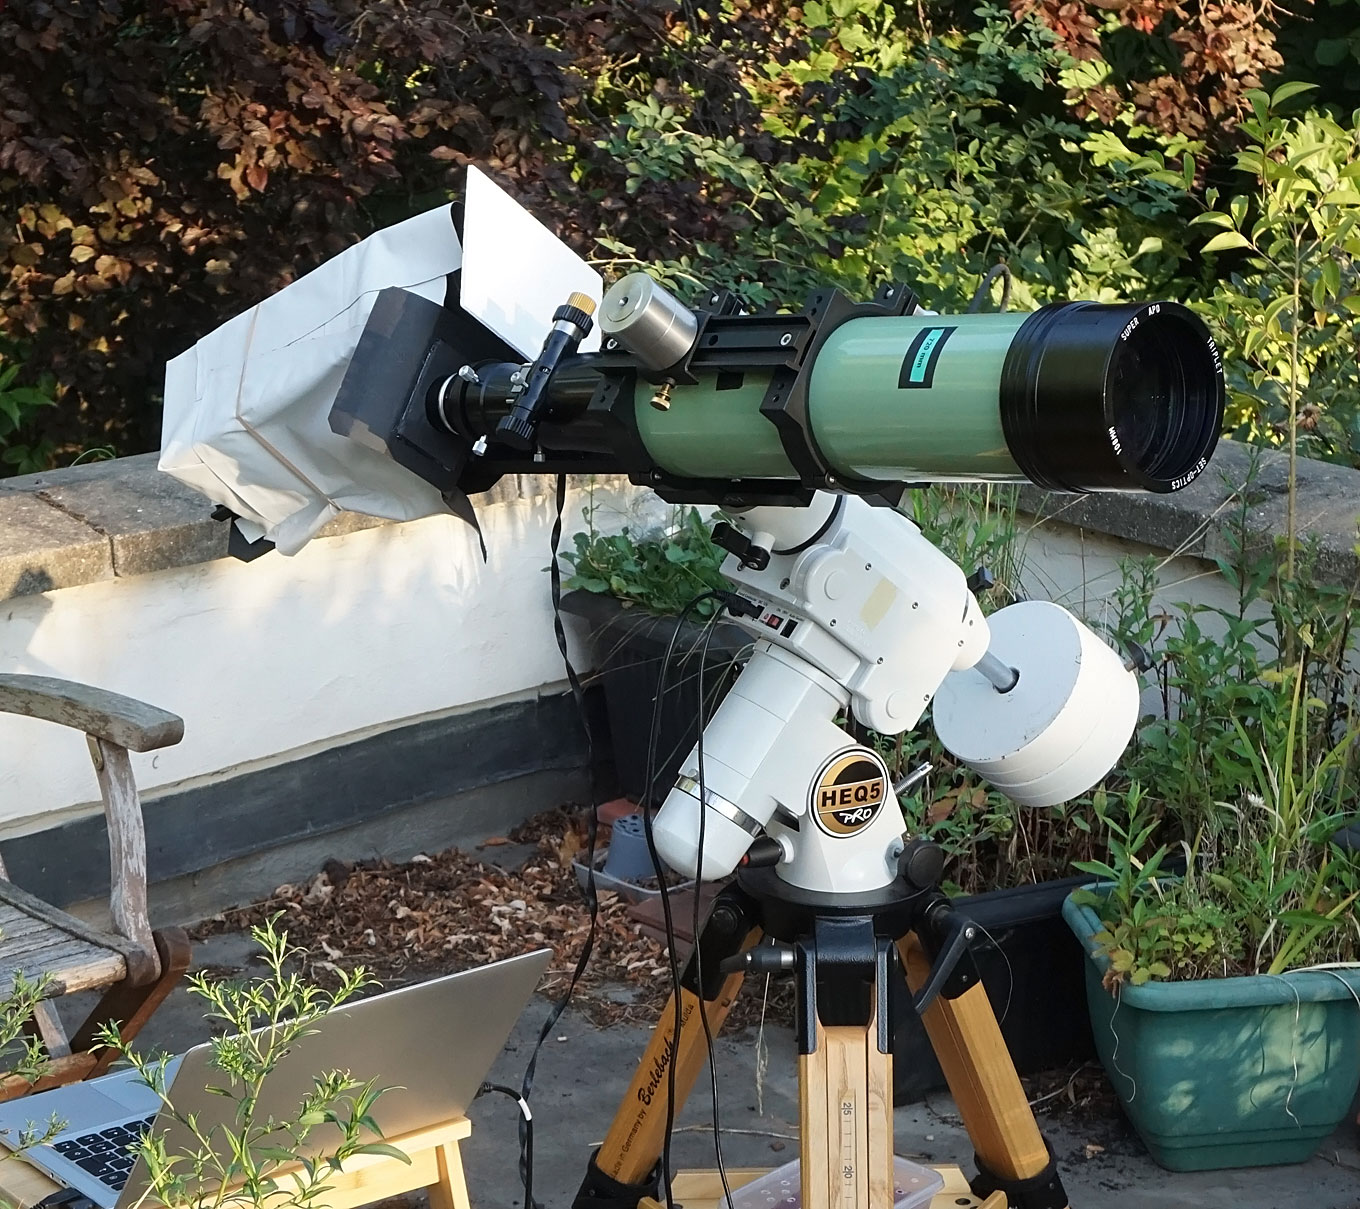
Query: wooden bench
(135,966)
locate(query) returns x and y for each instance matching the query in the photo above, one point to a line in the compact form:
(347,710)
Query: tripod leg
(844,1066)
(967,1040)
(623,1170)
(845,1120)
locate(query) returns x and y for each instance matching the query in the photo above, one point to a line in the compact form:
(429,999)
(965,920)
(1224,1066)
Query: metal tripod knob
(921,864)
(769,958)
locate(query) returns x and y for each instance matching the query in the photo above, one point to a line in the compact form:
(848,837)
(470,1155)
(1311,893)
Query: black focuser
(529,389)
(757,558)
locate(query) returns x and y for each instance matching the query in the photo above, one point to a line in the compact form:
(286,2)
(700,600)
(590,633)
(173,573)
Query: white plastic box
(914,1187)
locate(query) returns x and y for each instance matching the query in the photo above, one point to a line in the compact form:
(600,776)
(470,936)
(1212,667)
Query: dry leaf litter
(453,910)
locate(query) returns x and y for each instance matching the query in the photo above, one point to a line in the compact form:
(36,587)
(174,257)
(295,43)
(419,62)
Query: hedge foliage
(164,164)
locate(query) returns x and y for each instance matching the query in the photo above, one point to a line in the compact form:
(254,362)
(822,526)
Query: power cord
(526,1124)
(698,888)
(984,290)
(658,868)
(734,603)
(526,1145)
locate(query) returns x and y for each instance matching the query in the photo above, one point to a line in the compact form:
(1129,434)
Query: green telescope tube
(1075,397)
(865,423)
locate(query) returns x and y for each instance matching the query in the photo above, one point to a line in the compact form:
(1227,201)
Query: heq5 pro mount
(799,424)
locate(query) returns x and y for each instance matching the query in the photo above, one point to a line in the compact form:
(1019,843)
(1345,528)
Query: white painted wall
(1081,571)
(357,634)
(268,659)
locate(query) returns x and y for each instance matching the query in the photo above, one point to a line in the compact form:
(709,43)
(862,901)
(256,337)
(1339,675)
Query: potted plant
(1225,1001)
(632,589)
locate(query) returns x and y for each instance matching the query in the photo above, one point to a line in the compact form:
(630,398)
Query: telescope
(806,427)
(717,406)
(797,423)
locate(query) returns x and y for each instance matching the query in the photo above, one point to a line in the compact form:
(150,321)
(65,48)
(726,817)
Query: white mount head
(858,611)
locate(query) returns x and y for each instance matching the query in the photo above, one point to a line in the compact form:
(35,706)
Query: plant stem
(1290,499)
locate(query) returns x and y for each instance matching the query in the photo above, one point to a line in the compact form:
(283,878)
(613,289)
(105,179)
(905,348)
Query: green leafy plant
(23,1056)
(21,1053)
(21,452)
(1265,889)
(927,158)
(1289,313)
(253,1159)
(1144,936)
(660,573)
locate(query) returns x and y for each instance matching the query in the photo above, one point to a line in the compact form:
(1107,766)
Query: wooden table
(436,1165)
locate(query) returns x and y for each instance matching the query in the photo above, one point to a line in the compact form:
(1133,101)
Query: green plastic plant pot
(1229,1072)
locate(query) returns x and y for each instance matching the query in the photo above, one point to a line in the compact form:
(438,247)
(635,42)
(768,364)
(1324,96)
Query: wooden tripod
(845,1069)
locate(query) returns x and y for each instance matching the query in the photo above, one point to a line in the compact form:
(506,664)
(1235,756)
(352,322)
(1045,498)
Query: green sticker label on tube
(918,366)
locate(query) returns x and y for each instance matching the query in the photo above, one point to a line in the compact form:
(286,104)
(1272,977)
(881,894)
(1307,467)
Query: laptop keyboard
(106,1155)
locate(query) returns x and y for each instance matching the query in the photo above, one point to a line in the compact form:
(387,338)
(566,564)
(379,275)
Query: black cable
(698,887)
(526,1124)
(985,287)
(658,868)
(526,1155)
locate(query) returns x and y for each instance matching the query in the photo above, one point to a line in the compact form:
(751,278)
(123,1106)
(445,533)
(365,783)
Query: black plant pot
(1032,967)
(629,646)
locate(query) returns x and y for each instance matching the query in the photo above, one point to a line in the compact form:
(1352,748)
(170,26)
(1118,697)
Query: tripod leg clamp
(600,1191)
(1042,1191)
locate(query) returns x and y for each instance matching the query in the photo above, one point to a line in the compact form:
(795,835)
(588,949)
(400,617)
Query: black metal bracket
(786,401)
(600,1191)
(946,935)
(237,545)
(842,975)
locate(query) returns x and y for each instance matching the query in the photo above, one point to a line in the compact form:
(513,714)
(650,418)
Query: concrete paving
(583,1071)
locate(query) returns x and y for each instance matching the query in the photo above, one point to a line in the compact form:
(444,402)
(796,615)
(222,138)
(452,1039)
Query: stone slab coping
(106,520)
(113,519)
(1197,520)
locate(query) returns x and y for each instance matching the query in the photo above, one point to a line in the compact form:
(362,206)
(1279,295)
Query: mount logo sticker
(849,791)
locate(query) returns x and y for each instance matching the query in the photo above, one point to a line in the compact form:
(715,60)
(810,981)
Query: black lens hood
(1061,411)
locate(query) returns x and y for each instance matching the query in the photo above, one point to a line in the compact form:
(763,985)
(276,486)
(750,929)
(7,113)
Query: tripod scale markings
(848,1156)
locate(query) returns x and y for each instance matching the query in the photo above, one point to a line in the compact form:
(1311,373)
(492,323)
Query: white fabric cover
(246,409)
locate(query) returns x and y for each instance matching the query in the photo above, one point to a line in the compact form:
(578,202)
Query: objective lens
(1112,398)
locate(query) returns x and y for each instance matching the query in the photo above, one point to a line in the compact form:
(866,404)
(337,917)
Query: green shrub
(662,573)
(250,1159)
(924,161)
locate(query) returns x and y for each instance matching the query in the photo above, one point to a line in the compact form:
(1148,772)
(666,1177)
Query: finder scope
(715,405)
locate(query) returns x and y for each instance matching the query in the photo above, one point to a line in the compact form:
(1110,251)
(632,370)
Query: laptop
(430,1044)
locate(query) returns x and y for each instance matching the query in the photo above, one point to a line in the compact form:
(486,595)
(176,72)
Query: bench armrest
(124,721)
(113,725)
